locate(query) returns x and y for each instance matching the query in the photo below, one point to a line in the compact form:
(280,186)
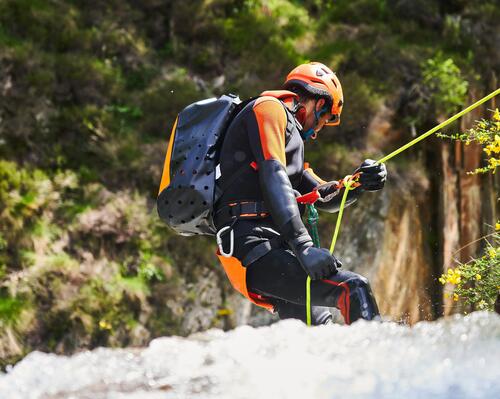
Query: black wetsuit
(266,129)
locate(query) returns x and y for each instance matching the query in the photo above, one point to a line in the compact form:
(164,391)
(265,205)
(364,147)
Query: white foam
(453,358)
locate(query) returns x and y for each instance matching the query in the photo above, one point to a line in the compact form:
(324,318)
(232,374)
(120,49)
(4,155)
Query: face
(310,120)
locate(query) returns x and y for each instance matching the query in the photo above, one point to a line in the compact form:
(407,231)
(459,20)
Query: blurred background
(89,92)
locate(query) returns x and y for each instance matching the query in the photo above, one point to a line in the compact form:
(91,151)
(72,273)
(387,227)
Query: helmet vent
(319,72)
(335,84)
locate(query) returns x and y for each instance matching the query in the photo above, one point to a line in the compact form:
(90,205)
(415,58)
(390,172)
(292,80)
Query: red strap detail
(309,198)
(313,196)
(344,300)
(259,297)
(254,165)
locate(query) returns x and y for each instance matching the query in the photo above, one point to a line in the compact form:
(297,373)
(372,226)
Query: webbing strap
(260,250)
(349,186)
(312,221)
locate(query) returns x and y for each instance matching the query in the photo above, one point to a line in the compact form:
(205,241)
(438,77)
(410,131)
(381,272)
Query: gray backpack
(188,189)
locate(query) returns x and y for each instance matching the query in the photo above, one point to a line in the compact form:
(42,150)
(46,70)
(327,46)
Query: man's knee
(351,279)
(357,281)
(361,295)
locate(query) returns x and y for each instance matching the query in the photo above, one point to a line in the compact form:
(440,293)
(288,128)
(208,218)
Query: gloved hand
(318,263)
(280,200)
(373,175)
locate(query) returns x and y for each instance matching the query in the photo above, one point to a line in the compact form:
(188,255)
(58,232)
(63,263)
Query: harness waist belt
(240,210)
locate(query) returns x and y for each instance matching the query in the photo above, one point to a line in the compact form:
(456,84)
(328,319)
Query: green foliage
(164,100)
(361,103)
(356,12)
(89,93)
(477,282)
(148,270)
(485,132)
(446,86)
(10,308)
(51,226)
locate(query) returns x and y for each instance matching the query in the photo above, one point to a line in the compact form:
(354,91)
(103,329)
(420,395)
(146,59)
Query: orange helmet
(319,80)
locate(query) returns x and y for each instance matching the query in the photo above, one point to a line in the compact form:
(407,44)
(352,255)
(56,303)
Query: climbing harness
(350,182)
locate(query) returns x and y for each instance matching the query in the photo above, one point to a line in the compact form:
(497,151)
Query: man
(273,251)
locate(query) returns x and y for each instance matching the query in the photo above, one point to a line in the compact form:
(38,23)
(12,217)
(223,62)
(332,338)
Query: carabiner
(231,241)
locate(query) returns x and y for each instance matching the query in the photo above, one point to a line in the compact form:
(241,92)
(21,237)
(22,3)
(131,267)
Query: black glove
(318,263)
(373,175)
(280,200)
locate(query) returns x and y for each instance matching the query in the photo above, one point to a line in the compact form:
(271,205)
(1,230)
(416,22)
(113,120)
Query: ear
(320,104)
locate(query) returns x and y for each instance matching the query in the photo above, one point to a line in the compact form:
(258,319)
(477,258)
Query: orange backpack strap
(237,275)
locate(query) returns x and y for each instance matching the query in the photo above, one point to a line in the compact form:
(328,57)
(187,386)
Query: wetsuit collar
(290,99)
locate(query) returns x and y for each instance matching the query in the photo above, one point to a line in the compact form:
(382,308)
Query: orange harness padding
(237,275)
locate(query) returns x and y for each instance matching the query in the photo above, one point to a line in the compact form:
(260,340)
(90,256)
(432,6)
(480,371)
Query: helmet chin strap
(310,133)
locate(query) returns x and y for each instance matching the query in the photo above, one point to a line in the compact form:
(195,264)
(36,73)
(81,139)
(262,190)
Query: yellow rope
(308,300)
(348,182)
(440,126)
(348,186)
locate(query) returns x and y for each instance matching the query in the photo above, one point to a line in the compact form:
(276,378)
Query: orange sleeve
(271,121)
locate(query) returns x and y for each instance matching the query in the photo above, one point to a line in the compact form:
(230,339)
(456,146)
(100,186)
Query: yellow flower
(455,280)
(452,276)
(497,226)
(482,125)
(478,277)
(104,325)
(442,280)
(455,296)
(492,252)
(224,312)
(496,115)
(494,162)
